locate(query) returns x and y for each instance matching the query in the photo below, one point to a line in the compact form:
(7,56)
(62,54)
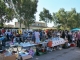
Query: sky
(55,5)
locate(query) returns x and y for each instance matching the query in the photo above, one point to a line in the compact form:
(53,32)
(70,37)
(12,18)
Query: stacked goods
(40,50)
(72,44)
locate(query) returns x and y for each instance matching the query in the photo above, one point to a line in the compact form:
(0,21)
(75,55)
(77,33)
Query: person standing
(78,39)
(70,37)
(3,30)
(37,37)
(33,36)
(63,34)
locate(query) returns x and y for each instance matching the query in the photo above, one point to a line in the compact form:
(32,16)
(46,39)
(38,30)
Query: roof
(49,28)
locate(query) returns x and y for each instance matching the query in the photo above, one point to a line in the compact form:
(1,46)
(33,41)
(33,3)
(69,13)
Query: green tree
(9,15)
(6,13)
(78,20)
(45,16)
(55,19)
(73,18)
(2,12)
(25,11)
(62,18)
(67,19)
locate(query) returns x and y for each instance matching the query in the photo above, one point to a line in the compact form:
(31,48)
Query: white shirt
(37,34)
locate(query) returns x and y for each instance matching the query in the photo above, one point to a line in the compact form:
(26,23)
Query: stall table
(56,42)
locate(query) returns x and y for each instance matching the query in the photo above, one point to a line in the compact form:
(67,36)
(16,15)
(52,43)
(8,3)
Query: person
(78,39)
(31,52)
(70,37)
(0,32)
(40,35)
(33,36)
(24,36)
(3,30)
(37,36)
(63,35)
(49,34)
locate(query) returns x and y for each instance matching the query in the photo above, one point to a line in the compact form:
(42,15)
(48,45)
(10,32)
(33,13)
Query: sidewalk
(72,53)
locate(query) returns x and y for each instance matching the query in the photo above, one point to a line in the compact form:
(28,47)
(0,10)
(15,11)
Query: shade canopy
(76,29)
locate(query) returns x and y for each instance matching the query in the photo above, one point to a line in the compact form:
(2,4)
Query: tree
(25,11)
(9,15)
(6,13)
(73,18)
(45,16)
(67,19)
(62,17)
(29,22)
(55,19)
(32,9)
(78,20)
(2,12)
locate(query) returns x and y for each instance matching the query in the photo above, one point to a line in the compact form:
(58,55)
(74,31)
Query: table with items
(27,50)
(55,42)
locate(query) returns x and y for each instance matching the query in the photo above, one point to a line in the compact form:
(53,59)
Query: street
(72,53)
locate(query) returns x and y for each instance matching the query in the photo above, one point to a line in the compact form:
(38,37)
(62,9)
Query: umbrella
(76,29)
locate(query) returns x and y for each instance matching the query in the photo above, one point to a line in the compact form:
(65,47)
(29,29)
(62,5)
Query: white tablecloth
(27,44)
(57,41)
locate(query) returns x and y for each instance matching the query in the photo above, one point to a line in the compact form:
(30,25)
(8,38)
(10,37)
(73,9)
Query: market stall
(2,43)
(56,42)
(27,50)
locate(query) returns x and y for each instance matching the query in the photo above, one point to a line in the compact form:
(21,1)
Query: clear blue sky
(55,5)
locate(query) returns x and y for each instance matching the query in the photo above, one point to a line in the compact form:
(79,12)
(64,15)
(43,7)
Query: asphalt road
(72,53)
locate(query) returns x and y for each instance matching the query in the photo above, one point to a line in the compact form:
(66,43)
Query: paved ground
(72,53)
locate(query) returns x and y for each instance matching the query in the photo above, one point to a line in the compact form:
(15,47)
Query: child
(31,52)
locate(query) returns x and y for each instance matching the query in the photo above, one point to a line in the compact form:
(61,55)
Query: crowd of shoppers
(40,35)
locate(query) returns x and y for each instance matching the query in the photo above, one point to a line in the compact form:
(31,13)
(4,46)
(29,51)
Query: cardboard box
(26,57)
(12,57)
(1,56)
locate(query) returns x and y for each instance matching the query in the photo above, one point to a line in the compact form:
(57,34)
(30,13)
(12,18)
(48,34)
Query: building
(36,25)
(9,25)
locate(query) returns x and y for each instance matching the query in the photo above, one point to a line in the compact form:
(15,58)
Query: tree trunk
(20,24)
(2,25)
(28,26)
(46,23)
